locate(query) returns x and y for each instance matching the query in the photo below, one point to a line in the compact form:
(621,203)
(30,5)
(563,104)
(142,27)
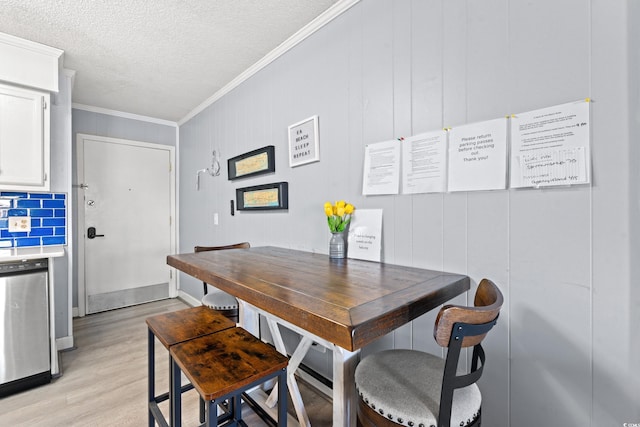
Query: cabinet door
(24,139)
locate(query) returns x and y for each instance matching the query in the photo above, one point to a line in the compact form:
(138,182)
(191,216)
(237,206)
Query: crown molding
(32,46)
(123,114)
(327,16)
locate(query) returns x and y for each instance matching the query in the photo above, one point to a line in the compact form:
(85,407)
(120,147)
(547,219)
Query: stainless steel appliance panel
(24,321)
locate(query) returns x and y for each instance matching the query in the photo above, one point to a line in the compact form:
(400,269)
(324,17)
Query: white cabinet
(24,139)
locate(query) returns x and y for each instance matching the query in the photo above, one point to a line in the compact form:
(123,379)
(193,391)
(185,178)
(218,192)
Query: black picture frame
(252,163)
(268,197)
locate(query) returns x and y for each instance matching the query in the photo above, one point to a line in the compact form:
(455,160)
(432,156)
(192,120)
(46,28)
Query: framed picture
(263,197)
(304,145)
(256,162)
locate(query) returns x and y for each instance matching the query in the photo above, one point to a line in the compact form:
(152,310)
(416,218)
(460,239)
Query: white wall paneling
(565,349)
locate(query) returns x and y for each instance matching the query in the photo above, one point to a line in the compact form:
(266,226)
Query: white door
(126,197)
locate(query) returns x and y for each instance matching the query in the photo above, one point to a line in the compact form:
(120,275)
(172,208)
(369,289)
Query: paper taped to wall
(553,167)
(381,168)
(551,146)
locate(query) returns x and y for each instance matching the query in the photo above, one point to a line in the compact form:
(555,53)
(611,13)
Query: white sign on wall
(381,168)
(551,146)
(478,156)
(304,146)
(424,163)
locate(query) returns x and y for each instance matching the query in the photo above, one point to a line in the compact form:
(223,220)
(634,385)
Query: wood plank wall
(563,351)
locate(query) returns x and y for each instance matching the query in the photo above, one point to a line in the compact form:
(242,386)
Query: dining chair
(414,388)
(217,299)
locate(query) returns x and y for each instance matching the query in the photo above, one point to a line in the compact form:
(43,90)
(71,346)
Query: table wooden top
(182,325)
(349,302)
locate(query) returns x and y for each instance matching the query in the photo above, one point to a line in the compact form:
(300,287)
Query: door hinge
(170,221)
(170,274)
(170,167)
(44,103)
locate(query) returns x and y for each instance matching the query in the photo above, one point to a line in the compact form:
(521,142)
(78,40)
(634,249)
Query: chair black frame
(451,381)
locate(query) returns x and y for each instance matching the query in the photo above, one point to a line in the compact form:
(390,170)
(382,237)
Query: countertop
(16,254)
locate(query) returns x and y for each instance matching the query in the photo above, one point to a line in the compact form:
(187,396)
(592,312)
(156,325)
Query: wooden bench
(221,367)
(170,329)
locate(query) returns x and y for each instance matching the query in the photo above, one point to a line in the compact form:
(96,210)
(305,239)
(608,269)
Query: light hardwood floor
(104,381)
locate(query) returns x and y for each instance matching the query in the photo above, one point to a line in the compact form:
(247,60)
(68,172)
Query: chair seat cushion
(220,300)
(404,386)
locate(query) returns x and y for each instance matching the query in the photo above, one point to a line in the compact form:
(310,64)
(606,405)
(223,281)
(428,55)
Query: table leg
(345,399)
(294,362)
(248,318)
(344,366)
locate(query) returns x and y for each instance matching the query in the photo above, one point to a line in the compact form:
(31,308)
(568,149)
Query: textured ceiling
(157,58)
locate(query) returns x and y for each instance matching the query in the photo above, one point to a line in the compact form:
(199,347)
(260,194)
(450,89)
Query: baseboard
(188,299)
(126,297)
(64,343)
(75,312)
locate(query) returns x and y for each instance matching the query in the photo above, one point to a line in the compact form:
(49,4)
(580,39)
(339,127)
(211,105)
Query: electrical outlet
(19,223)
(215,218)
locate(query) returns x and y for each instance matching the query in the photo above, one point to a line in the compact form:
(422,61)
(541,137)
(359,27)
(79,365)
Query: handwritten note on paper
(424,159)
(553,167)
(478,156)
(550,146)
(381,168)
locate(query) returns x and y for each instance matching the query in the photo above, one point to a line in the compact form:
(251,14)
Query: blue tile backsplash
(48,215)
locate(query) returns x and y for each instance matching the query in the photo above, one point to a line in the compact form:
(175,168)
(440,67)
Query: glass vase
(337,246)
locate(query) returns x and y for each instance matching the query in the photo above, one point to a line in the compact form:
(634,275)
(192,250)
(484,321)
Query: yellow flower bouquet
(338,215)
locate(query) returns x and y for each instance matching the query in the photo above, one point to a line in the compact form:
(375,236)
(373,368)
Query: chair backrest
(487,303)
(243,245)
(457,327)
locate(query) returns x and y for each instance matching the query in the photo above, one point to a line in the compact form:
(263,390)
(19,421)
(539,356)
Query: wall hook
(213,170)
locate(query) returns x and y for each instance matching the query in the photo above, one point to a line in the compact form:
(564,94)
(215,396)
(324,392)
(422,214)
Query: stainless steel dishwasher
(25,359)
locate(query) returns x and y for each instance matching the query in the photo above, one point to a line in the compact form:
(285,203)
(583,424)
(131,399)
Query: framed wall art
(263,197)
(256,162)
(304,144)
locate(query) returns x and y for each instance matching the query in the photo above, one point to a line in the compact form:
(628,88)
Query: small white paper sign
(381,168)
(424,163)
(478,156)
(551,146)
(365,235)
(303,142)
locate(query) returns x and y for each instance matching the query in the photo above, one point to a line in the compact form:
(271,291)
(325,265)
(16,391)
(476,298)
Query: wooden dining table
(342,305)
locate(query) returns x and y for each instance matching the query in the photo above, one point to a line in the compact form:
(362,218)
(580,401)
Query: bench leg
(175,397)
(282,398)
(211,414)
(151,374)
(237,406)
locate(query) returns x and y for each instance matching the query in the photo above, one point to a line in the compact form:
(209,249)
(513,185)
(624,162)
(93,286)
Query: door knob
(91,233)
